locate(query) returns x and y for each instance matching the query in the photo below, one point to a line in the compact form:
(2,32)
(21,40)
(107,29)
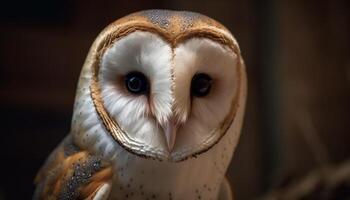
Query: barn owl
(157,115)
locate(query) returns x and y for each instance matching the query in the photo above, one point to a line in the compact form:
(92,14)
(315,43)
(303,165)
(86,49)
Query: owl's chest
(139,178)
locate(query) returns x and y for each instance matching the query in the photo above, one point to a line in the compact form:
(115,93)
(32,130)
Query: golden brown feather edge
(72,173)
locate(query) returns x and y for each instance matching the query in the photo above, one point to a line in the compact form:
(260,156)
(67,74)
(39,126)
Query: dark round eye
(201,84)
(136,83)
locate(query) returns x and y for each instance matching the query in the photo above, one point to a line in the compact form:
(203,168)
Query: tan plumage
(118,139)
(61,172)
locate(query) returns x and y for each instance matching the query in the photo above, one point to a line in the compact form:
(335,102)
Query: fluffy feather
(202,116)
(147,53)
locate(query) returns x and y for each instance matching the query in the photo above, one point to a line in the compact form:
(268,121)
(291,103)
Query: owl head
(160,84)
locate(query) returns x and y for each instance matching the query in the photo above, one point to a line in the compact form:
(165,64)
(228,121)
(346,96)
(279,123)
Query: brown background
(297,56)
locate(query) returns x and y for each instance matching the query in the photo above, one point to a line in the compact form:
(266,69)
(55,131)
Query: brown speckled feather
(71,173)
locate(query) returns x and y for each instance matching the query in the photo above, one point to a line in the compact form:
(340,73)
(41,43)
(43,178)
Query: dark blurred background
(298,63)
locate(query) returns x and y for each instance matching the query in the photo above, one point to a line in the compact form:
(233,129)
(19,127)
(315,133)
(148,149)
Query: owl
(157,114)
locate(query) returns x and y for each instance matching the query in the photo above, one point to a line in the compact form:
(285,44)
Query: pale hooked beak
(170,129)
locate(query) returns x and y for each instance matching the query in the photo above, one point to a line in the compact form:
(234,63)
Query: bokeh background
(297,56)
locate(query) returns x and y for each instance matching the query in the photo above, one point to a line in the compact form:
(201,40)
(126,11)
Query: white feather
(103,192)
(154,58)
(146,53)
(203,115)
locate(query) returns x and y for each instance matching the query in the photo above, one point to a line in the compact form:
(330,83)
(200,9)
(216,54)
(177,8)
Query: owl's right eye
(201,85)
(137,83)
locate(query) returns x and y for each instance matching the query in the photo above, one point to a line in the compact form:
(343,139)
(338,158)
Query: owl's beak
(170,129)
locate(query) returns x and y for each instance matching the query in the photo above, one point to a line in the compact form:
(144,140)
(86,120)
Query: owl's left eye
(137,83)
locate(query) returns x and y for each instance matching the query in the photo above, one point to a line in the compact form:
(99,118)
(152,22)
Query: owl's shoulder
(225,192)
(73,173)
